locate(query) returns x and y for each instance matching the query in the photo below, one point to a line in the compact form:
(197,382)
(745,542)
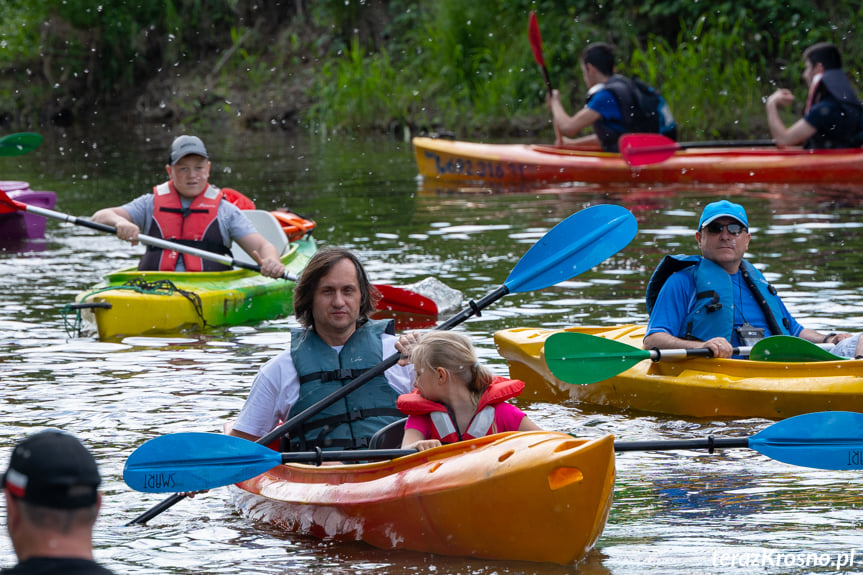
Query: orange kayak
(448,160)
(525,496)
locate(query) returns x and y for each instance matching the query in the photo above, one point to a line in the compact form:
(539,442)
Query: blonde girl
(456,398)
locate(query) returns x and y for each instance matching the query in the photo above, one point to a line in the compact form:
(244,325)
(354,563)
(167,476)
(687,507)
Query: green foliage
(713,85)
(360,90)
(460,65)
(19,33)
(109,44)
(471,64)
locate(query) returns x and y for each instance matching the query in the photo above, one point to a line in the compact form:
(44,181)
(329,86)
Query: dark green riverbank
(398,66)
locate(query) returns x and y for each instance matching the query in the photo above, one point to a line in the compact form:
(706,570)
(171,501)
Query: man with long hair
(336,344)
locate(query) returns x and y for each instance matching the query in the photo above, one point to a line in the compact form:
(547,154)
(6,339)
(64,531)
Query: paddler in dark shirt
(52,497)
(832,115)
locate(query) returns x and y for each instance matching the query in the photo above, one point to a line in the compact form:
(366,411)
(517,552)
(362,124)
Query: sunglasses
(716,228)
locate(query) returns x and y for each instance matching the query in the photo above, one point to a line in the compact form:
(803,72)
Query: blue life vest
(350,422)
(712,315)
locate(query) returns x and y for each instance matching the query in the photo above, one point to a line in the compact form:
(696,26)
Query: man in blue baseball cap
(718,300)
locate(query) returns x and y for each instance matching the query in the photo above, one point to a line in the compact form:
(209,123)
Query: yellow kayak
(525,496)
(131,302)
(695,387)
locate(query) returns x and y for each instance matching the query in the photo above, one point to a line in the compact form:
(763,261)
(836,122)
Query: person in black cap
(833,114)
(187,209)
(52,500)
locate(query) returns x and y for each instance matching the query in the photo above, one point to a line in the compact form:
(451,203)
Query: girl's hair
(455,353)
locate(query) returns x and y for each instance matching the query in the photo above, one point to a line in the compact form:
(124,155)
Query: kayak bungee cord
(158,287)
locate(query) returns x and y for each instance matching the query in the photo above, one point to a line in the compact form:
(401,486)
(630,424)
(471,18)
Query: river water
(675,512)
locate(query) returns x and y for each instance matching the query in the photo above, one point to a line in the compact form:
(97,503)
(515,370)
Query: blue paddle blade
(573,246)
(823,440)
(195,462)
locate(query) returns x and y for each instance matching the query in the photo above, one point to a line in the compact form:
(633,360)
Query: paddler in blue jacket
(833,113)
(718,300)
(615,105)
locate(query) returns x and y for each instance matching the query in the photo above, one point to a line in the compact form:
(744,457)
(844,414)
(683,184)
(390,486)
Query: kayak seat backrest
(390,436)
(269,227)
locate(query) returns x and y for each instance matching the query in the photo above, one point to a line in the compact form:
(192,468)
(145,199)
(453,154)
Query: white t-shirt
(276,389)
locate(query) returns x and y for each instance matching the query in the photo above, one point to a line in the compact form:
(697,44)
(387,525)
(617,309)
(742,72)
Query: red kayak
(448,160)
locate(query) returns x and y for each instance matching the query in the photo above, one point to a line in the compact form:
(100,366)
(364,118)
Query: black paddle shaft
(727,144)
(709,443)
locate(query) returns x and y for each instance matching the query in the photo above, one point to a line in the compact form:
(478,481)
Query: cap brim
(717,216)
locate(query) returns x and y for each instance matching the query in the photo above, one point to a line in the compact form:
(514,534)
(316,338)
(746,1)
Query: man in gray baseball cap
(189,210)
(52,497)
(186,145)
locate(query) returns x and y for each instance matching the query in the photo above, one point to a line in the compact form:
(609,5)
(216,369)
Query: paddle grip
(92,225)
(256,268)
(657,354)
(474,308)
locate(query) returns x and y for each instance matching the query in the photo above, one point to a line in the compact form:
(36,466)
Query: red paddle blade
(535,38)
(644,149)
(8,205)
(402,300)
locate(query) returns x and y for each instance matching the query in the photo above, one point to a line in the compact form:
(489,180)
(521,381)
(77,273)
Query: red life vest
(481,424)
(196,226)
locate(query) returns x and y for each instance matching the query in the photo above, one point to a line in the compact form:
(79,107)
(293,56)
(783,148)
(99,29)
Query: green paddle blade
(582,359)
(789,349)
(19,144)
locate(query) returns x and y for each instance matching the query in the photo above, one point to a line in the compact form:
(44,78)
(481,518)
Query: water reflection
(673,511)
